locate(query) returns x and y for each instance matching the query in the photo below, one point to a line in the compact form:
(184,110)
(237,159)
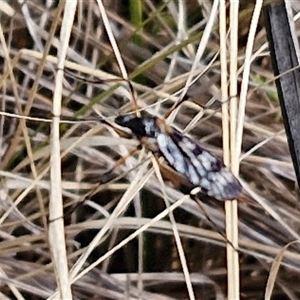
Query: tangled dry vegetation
(159,48)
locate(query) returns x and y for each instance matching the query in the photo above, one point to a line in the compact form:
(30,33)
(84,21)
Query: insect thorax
(139,126)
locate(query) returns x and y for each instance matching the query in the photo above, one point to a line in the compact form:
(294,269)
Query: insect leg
(105,178)
(194,197)
(108,176)
(183,185)
(175,106)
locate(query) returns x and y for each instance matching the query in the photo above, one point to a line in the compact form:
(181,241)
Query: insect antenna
(107,80)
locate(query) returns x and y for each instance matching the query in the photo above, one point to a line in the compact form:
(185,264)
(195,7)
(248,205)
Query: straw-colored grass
(138,237)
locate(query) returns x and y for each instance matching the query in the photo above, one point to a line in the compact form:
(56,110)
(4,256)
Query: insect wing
(176,158)
(197,164)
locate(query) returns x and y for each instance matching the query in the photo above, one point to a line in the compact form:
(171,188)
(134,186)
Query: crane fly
(188,165)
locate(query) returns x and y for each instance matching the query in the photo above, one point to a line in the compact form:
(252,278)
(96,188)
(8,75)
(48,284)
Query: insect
(184,155)
(196,165)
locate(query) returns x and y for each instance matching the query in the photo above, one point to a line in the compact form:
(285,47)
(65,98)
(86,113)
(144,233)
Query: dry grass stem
(138,236)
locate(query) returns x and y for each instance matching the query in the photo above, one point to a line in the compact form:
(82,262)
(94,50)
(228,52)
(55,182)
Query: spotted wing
(198,165)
